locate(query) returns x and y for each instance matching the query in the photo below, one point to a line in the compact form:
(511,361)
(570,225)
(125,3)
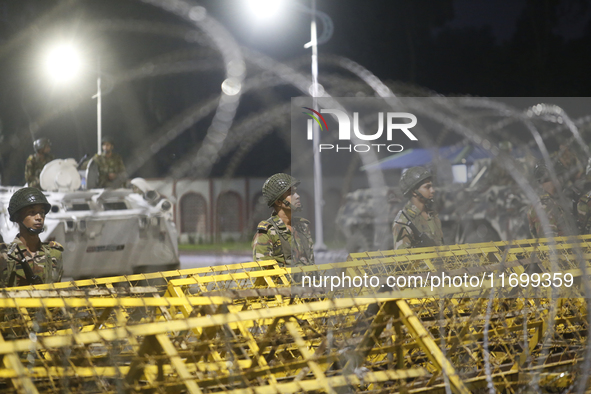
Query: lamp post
(99,116)
(314,42)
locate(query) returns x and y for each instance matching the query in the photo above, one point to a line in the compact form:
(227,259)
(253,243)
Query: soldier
(573,168)
(584,214)
(498,175)
(417,224)
(110,166)
(548,203)
(282,237)
(37,161)
(27,260)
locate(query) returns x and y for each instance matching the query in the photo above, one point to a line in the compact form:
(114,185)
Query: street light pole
(314,41)
(318,192)
(99,98)
(327,29)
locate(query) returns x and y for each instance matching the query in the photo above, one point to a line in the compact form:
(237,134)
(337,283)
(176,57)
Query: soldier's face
(427,190)
(292,197)
(33,216)
(46,149)
(107,147)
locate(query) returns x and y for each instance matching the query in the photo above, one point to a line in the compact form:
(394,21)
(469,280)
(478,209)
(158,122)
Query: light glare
(63,63)
(265,9)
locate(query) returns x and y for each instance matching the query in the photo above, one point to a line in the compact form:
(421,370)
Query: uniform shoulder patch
(264,226)
(400,218)
(55,245)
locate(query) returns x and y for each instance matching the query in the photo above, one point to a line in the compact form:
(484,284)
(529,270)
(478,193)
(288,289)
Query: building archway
(229,213)
(193,214)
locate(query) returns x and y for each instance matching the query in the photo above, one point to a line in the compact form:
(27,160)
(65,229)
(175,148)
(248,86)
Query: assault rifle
(418,238)
(29,274)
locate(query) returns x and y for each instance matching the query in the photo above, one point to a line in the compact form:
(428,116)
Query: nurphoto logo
(391,119)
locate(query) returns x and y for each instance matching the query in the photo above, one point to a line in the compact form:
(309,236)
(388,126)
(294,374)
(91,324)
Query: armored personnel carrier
(104,232)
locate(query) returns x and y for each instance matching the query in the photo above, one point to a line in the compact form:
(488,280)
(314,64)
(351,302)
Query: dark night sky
(468,47)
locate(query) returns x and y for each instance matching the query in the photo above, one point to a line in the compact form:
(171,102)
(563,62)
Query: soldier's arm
(29,173)
(536,229)
(402,238)
(304,229)
(4,274)
(262,246)
(584,214)
(57,265)
(533,221)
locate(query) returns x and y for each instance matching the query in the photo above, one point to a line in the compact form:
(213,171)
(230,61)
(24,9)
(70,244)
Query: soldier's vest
(300,242)
(41,265)
(431,228)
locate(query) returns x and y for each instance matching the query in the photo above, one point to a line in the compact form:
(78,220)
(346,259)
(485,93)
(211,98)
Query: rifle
(419,239)
(29,274)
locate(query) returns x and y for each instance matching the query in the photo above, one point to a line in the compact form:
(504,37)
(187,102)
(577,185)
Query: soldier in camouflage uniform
(37,161)
(282,237)
(110,166)
(27,260)
(573,168)
(584,214)
(548,202)
(498,175)
(417,185)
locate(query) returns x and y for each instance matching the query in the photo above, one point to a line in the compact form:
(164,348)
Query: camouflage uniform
(584,214)
(33,168)
(274,241)
(46,263)
(431,226)
(555,213)
(572,168)
(107,165)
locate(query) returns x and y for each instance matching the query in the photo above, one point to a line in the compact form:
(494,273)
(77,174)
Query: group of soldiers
(27,260)
(287,239)
(284,236)
(111,170)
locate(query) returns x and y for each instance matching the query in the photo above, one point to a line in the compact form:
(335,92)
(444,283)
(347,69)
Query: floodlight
(265,9)
(63,62)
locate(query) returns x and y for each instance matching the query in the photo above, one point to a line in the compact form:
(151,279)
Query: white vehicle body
(105,232)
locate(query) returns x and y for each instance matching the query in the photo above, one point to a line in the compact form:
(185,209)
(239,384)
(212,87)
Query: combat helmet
(26,197)
(412,179)
(276,185)
(41,143)
(505,146)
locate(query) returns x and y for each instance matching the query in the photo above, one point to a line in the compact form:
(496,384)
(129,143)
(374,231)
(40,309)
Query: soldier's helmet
(505,146)
(542,174)
(276,185)
(107,139)
(26,197)
(412,179)
(41,143)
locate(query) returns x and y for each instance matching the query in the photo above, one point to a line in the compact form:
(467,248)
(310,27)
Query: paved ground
(200,259)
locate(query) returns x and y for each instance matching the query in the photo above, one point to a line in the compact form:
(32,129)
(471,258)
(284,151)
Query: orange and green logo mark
(316,117)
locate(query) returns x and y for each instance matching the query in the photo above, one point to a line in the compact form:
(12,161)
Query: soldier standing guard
(37,161)
(27,260)
(548,202)
(417,224)
(110,166)
(282,237)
